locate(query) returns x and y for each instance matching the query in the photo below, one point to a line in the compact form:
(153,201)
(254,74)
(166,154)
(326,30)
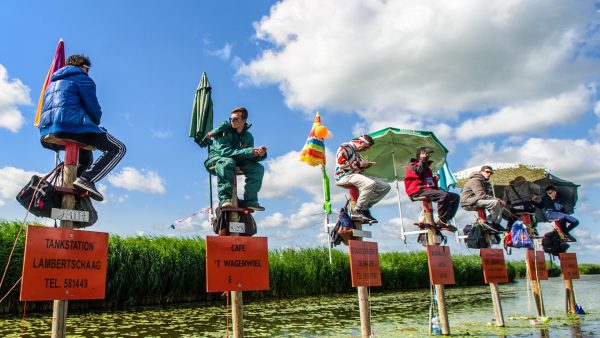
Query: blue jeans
(563,220)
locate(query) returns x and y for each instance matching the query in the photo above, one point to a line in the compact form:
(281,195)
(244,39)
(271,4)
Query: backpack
(423,239)
(508,243)
(475,238)
(553,244)
(220,223)
(519,236)
(39,194)
(342,231)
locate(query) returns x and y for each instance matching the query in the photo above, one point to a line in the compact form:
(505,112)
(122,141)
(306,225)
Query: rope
(21,230)
(23,223)
(9,291)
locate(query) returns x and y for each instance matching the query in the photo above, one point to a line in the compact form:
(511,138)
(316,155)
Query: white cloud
(577,160)
(161,134)
(432,58)
(223,53)
(530,116)
(12,180)
(132,179)
(309,214)
(12,93)
(286,173)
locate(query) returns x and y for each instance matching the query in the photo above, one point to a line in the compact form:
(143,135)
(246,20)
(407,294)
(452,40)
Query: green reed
(163,270)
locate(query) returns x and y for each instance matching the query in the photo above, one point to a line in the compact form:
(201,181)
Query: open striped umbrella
(57,63)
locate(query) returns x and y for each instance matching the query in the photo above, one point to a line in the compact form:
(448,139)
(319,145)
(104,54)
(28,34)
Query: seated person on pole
(477,193)
(71,111)
(349,172)
(556,209)
(233,146)
(522,197)
(420,182)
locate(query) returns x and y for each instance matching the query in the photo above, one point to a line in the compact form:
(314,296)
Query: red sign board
(441,270)
(64,264)
(235,263)
(364,263)
(494,267)
(568,265)
(539,264)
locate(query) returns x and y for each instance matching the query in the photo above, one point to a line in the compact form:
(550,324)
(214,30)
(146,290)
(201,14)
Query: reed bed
(162,270)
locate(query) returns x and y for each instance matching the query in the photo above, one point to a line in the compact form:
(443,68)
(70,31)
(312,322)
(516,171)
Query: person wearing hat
(349,169)
(477,193)
(420,182)
(233,146)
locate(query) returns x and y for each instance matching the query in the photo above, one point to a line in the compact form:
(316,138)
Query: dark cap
(487,167)
(424,150)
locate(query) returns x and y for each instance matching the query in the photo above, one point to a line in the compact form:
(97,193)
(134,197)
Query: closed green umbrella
(202,113)
(202,122)
(392,152)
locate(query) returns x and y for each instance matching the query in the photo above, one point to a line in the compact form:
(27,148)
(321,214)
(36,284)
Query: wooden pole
(363,301)
(60,307)
(237,302)
(535,282)
(494,291)
(439,288)
(571,307)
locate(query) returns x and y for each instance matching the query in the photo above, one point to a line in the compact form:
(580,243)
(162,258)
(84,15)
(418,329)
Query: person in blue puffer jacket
(71,111)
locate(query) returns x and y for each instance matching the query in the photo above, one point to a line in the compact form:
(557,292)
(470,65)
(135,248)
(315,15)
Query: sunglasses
(488,172)
(234,119)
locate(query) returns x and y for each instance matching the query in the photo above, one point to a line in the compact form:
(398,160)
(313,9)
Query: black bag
(475,238)
(39,194)
(85,204)
(343,226)
(553,244)
(220,223)
(524,206)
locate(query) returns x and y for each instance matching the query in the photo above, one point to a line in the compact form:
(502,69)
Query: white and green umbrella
(392,153)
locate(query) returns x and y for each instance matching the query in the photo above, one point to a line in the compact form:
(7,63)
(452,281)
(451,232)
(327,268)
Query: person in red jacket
(420,182)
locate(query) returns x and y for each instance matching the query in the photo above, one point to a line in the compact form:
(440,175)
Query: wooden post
(494,290)
(363,301)
(535,283)
(571,307)
(60,307)
(439,288)
(237,302)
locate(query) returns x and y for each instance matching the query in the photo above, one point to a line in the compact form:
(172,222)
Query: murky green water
(398,314)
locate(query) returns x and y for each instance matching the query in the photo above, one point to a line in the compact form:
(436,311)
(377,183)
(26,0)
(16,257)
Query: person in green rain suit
(233,146)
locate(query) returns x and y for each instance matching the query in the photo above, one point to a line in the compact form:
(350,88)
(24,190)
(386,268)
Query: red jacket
(419,177)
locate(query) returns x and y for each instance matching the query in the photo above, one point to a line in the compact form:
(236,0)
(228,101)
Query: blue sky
(498,81)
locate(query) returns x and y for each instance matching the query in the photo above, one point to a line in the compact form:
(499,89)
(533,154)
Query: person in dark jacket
(477,193)
(555,209)
(71,111)
(233,146)
(419,182)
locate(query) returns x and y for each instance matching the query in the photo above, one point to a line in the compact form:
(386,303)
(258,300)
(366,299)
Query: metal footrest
(361,233)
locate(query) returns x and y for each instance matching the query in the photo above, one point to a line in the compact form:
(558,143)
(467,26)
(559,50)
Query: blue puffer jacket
(70,104)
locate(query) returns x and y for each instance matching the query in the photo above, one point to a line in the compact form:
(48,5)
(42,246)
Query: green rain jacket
(227,142)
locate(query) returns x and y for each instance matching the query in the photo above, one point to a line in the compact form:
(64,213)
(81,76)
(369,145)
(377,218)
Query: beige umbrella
(504,173)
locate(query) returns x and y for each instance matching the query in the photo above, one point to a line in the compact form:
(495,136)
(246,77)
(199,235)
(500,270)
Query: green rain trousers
(224,169)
